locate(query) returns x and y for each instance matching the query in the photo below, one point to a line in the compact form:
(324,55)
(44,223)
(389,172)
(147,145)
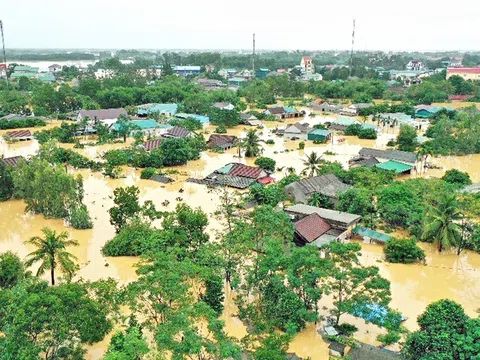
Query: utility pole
(4,52)
(353,43)
(253,56)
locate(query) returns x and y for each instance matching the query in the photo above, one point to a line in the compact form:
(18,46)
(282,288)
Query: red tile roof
(12,161)
(266,180)
(19,133)
(153,144)
(312,227)
(245,171)
(464,70)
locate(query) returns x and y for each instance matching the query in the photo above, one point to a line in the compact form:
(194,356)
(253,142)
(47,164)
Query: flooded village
(269,218)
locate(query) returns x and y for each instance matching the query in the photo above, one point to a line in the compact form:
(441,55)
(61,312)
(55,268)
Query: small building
(153,144)
(46,78)
(465,73)
(146,127)
(104,74)
(55,68)
(327,185)
(223,142)
(306,65)
(186,70)
(262,73)
(236,81)
(427,111)
(416,65)
(12,161)
(162,109)
(370,235)
(106,116)
(24,71)
(251,120)
(284,112)
(341,123)
(210,84)
(405,157)
(319,135)
(370,352)
(337,219)
(223,106)
(297,131)
(179,133)
(327,107)
(354,109)
(202,118)
(227,73)
(312,229)
(311,77)
(19,135)
(398,167)
(362,161)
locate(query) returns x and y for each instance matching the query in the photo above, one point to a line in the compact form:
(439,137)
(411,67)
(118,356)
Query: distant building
(104,74)
(202,118)
(427,111)
(106,116)
(284,112)
(327,107)
(55,68)
(210,84)
(250,120)
(341,123)
(24,71)
(307,65)
(186,70)
(465,73)
(162,109)
(416,65)
(227,73)
(179,133)
(223,106)
(19,135)
(297,131)
(223,142)
(236,81)
(146,127)
(262,73)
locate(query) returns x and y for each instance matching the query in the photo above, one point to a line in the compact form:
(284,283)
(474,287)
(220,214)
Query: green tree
(320,200)
(125,127)
(228,118)
(251,144)
(404,251)
(127,207)
(272,347)
(351,283)
(441,224)
(446,332)
(457,177)
(407,138)
(51,253)
(266,163)
(357,200)
(312,164)
(175,152)
(127,345)
(12,270)
(214,293)
(42,322)
(6,182)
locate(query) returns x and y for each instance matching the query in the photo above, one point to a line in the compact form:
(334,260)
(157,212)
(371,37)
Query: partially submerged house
(341,123)
(202,118)
(327,107)
(251,120)
(19,135)
(396,160)
(162,109)
(370,235)
(223,142)
(153,144)
(297,131)
(235,175)
(223,106)
(328,185)
(210,84)
(312,229)
(354,109)
(146,127)
(319,135)
(179,132)
(370,352)
(107,117)
(427,111)
(284,112)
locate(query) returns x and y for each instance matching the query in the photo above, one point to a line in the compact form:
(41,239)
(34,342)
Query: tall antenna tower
(253,57)
(4,52)
(353,44)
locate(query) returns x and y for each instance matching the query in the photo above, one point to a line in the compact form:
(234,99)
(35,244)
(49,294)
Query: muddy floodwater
(413,286)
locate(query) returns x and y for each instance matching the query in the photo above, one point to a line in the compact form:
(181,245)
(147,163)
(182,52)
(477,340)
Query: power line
(4,52)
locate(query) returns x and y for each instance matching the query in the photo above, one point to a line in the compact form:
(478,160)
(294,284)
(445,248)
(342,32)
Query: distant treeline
(51,57)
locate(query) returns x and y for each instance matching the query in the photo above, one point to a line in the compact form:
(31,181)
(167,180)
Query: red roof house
(312,229)
(19,135)
(153,144)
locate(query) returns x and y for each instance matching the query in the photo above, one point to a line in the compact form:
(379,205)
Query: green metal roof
(141,124)
(226,169)
(396,166)
(345,121)
(372,234)
(320,132)
(47,78)
(24,74)
(236,79)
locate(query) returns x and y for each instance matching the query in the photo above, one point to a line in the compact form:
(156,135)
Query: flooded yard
(413,286)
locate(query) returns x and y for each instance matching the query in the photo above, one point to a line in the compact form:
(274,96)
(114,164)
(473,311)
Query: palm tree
(441,224)
(251,144)
(312,164)
(52,254)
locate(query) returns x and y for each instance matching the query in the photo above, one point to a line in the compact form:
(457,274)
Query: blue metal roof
(142,124)
(160,108)
(203,119)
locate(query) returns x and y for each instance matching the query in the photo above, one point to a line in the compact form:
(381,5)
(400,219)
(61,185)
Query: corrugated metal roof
(345,121)
(363,231)
(160,108)
(153,144)
(320,132)
(246,171)
(397,155)
(203,119)
(19,134)
(326,214)
(103,114)
(178,132)
(393,165)
(12,161)
(222,140)
(140,124)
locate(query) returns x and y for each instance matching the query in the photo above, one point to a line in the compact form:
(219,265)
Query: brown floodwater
(413,286)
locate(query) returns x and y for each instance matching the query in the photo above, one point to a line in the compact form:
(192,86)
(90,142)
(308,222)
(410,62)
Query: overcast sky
(223,24)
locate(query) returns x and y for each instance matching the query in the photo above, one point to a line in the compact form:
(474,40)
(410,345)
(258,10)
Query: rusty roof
(178,132)
(153,144)
(19,133)
(12,161)
(245,171)
(220,140)
(312,227)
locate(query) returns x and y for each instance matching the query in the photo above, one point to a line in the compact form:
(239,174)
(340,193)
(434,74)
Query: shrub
(222,129)
(301,145)
(270,142)
(457,177)
(367,134)
(266,163)
(79,218)
(148,173)
(130,240)
(21,123)
(347,329)
(403,251)
(353,130)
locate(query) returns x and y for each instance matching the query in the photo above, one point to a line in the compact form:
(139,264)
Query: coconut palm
(312,164)
(251,144)
(442,223)
(52,254)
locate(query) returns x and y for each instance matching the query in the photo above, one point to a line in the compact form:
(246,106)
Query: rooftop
(178,132)
(397,155)
(245,171)
(139,124)
(312,227)
(464,70)
(18,134)
(378,236)
(12,161)
(153,144)
(203,119)
(220,140)
(321,132)
(103,114)
(161,108)
(396,166)
(326,214)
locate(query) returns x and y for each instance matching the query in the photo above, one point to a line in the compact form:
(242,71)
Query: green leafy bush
(404,251)
(222,129)
(148,173)
(266,163)
(79,217)
(129,241)
(457,177)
